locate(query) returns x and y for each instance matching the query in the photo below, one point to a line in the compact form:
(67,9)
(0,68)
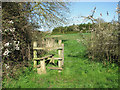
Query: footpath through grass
(79,72)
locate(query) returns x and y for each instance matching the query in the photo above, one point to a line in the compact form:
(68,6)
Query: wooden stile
(41,68)
(63,55)
(42,48)
(53,61)
(38,66)
(46,57)
(35,53)
(56,68)
(60,56)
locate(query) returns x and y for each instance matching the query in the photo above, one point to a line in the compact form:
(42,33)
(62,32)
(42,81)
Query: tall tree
(20,19)
(47,13)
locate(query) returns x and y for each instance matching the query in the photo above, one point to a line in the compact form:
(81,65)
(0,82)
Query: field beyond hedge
(78,72)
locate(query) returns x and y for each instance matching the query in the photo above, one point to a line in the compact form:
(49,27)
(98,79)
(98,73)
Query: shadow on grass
(79,55)
(64,41)
(48,62)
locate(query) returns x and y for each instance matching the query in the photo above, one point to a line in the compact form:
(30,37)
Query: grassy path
(78,72)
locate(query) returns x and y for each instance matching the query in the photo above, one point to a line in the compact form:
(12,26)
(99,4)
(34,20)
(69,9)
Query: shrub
(103,42)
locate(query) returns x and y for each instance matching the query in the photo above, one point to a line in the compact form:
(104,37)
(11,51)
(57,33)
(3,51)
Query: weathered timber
(58,58)
(35,53)
(44,48)
(56,68)
(42,69)
(39,59)
(63,55)
(60,55)
(53,60)
(46,57)
(59,42)
(38,66)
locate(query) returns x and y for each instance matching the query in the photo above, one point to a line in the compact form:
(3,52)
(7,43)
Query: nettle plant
(102,45)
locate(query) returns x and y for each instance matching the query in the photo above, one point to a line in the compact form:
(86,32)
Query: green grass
(79,71)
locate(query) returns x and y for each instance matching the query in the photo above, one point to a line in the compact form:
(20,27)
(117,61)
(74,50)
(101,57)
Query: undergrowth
(78,71)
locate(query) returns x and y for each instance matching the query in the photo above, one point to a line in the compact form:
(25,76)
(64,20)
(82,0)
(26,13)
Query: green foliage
(84,28)
(78,72)
(15,28)
(20,23)
(102,45)
(48,14)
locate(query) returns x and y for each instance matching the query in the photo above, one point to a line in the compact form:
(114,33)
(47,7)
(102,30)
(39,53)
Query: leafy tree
(19,20)
(48,13)
(73,29)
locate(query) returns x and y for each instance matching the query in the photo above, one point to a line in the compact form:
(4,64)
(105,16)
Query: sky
(78,9)
(119,13)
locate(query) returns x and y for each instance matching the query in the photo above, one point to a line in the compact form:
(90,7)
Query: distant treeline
(72,29)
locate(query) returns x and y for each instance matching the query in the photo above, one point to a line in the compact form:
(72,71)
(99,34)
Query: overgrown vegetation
(15,39)
(102,45)
(93,42)
(83,28)
(78,72)
(20,29)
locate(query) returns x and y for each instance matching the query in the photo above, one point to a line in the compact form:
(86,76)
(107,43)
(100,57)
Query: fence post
(53,61)
(63,55)
(35,52)
(42,69)
(60,55)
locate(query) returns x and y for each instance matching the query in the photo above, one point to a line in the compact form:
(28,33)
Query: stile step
(56,68)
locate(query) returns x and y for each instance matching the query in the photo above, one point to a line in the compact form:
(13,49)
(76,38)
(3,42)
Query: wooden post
(60,55)
(63,55)
(42,70)
(53,61)
(59,42)
(35,52)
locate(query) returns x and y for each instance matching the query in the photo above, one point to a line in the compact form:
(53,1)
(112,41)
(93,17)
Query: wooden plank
(59,42)
(53,60)
(42,63)
(42,69)
(46,57)
(60,55)
(58,58)
(56,68)
(60,48)
(35,53)
(43,48)
(38,66)
(63,55)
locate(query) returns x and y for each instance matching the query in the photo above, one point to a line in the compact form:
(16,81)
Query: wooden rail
(41,68)
(57,68)
(46,57)
(42,48)
(38,59)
